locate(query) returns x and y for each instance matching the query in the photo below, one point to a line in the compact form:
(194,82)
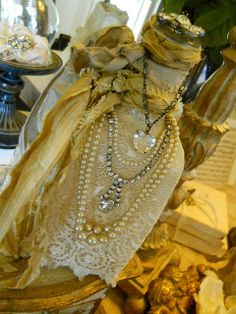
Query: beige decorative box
(201,222)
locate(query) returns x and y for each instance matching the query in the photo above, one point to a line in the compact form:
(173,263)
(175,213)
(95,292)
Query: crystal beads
(144,142)
(106,205)
(20,42)
(88,230)
(139,159)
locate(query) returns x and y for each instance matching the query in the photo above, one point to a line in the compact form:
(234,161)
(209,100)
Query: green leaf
(218,36)
(224,2)
(217,17)
(173,6)
(202,9)
(215,55)
(195,3)
(217,24)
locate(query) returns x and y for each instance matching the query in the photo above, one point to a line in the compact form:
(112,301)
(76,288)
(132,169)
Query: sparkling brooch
(20,42)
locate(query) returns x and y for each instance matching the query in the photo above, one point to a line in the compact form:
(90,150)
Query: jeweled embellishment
(111,198)
(106,205)
(20,42)
(92,233)
(144,142)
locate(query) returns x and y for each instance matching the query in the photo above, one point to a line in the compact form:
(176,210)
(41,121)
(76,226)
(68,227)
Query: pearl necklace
(112,196)
(91,233)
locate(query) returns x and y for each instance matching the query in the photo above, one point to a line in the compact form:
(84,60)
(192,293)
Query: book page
(220,169)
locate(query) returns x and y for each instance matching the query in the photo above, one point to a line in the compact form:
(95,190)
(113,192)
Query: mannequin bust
(91,186)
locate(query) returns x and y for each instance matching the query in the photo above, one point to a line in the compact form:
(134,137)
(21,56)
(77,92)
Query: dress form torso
(49,240)
(107,258)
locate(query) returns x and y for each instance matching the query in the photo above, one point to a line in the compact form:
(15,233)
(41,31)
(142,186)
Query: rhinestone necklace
(90,232)
(112,196)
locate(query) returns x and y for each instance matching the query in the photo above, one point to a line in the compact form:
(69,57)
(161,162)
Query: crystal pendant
(107,205)
(143,142)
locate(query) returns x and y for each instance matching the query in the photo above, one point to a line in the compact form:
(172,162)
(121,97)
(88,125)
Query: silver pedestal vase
(41,17)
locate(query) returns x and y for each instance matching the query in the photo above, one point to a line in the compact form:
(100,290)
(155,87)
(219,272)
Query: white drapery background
(73,13)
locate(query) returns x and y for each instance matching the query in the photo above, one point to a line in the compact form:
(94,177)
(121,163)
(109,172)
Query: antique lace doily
(108,259)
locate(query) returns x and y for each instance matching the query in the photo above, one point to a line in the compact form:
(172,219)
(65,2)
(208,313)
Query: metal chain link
(173,103)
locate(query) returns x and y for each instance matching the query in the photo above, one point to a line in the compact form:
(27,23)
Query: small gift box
(201,221)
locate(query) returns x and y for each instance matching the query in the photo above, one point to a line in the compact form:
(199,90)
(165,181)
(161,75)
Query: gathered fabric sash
(22,219)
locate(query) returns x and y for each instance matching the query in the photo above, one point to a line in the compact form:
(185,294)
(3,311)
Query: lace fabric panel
(107,259)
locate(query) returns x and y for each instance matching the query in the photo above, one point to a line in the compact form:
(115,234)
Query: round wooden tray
(54,290)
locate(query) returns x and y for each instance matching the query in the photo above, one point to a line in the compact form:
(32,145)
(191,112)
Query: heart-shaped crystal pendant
(143,142)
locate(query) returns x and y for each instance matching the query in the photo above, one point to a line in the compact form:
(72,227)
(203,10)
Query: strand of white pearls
(152,183)
(129,162)
(91,233)
(85,230)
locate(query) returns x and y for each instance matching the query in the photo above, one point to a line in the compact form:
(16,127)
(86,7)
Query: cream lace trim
(106,259)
